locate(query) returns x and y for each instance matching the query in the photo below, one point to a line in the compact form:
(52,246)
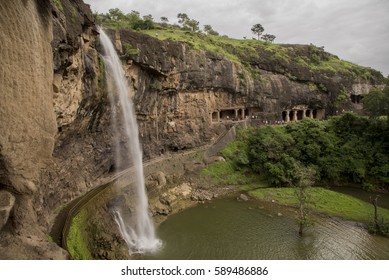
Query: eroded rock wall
(54,130)
(82,150)
(181,93)
(27,123)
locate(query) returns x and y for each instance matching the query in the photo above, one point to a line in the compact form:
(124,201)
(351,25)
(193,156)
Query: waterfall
(140,236)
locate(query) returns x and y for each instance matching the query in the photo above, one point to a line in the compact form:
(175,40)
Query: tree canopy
(345,149)
(209,30)
(268,37)
(188,23)
(376,102)
(257,29)
(117,19)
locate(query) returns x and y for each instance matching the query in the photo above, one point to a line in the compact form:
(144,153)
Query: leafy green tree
(182,18)
(268,38)
(209,30)
(164,20)
(376,102)
(257,29)
(345,149)
(133,19)
(304,177)
(187,23)
(342,98)
(148,22)
(193,25)
(269,153)
(115,14)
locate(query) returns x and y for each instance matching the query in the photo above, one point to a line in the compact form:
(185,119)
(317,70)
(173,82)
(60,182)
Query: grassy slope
(321,200)
(324,201)
(243,50)
(224,173)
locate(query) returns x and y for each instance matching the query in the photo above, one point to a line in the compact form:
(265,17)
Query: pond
(383,198)
(228,229)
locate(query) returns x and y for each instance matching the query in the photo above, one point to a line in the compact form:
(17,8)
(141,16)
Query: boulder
(243,197)
(161,179)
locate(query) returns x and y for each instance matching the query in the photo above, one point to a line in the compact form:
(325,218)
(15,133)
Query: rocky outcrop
(27,119)
(82,150)
(180,91)
(52,111)
(27,126)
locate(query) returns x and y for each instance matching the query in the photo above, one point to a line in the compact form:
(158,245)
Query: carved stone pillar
(295,116)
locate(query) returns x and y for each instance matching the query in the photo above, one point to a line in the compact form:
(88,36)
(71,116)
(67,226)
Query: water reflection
(227,229)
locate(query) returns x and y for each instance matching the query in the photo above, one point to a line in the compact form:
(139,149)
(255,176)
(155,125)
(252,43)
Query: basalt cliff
(55,116)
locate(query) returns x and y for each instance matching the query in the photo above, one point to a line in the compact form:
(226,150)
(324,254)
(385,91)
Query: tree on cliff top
(115,14)
(182,18)
(257,29)
(187,23)
(268,38)
(115,18)
(209,30)
(193,25)
(164,21)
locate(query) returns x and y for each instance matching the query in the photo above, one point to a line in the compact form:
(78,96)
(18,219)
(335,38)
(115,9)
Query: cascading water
(141,236)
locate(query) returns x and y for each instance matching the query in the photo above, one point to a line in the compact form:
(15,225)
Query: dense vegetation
(281,163)
(345,149)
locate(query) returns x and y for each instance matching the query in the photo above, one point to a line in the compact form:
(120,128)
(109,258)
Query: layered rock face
(185,97)
(33,107)
(82,150)
(55,118)
(27,119)
(27,126)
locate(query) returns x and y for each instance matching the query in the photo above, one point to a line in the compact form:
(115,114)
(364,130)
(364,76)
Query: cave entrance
(356,99)
(300,115)
(284,116)
(227,114)
(215,116)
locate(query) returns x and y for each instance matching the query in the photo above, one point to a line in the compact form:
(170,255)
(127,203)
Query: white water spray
(141,238)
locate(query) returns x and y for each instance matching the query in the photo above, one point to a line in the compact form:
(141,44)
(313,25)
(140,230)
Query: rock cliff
(49,101)
(186,96)
(55,132)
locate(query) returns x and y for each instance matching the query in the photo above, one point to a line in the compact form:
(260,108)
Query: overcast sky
(354,30)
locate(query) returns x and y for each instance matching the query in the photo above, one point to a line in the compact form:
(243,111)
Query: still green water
(228,229)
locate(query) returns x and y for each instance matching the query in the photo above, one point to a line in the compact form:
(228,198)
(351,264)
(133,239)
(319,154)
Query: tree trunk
(301,211)
(375,204)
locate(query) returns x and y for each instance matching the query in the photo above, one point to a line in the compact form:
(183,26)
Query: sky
(354,30)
